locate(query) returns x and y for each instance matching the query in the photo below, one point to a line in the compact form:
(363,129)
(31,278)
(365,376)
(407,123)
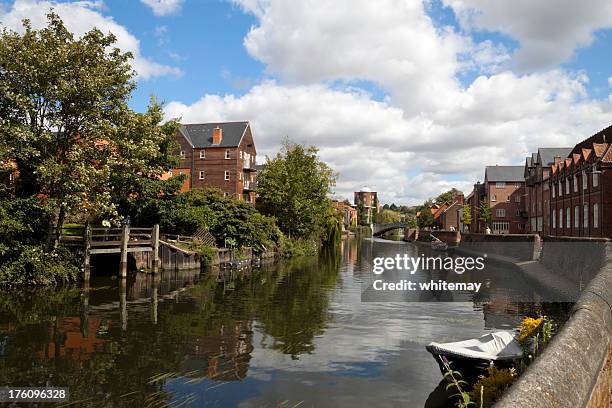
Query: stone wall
(574,369)
(578,259)
(512,247)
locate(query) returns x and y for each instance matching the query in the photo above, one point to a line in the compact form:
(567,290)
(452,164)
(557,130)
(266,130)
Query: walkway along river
(296,334)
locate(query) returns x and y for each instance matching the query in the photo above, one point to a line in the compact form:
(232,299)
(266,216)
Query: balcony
(249,185)
(249,165)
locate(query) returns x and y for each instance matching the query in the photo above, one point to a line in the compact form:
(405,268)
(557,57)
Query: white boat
(438,245)
(469,356)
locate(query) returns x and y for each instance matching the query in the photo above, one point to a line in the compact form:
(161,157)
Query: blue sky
(408,97)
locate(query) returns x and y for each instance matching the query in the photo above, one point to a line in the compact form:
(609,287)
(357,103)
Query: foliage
(232,222)
(362,215)
(31,265)
(387,217)
(375,209)
(490,387)
(467,214)
(454,381)
(293,187)
(446,197)
(66,124)
(425,219)
(206,252)
(297,247)
(484,212)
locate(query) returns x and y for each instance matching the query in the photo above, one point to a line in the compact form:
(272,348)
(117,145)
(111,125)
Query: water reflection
(295,333)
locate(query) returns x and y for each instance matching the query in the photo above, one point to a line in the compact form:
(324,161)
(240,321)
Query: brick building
(537,191)
(581,189)
(221,155)
(369,200)
(504,190)
(348,212)
(452,215)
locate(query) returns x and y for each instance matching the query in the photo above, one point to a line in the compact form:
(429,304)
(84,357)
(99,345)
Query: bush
(291,248)
(30,265)
(492,385)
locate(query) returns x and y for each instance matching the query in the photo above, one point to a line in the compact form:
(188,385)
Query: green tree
(467,214)
(446,197)
(66,123)
(387,217)
(425,219)
(484,212)
(293,187)
(374,209)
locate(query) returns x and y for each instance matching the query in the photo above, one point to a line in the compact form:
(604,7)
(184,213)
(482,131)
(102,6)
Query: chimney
(217,135)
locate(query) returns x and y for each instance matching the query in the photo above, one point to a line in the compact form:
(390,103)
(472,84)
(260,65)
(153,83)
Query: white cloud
(390,42)
(164,7)
(80,17)
(548,30)
(499,120)
(610,82)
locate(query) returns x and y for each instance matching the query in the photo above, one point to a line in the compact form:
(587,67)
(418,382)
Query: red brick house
(537,191)
(369,200)
(504,190)
(452,215)
(581,189)
(221,155)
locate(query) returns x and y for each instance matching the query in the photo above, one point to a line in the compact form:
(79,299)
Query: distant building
(349,214)
(221,155)
(369,200)
(581,189)
(452,215)
(537,191)
(504,190)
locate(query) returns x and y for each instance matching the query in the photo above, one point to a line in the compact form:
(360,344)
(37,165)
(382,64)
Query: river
(288,335)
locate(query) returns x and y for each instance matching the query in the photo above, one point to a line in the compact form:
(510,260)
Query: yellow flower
(529,327)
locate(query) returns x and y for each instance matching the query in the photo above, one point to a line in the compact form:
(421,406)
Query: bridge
(379,229)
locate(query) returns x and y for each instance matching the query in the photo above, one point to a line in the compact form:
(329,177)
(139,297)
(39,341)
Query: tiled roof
(547,154)
(200,134)
(504,173)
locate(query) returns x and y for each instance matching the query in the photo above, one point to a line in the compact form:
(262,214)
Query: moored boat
(470,357)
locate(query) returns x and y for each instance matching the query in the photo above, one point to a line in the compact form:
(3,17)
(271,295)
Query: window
(568,219)
(501,226)
(521,227)
(225,194)
(553,191)
(595,179)
(227,175)
(560,189)
(585,216)
(539,206)
(517,198)
(239,176)
(493,197)
(518,213)
(182,154)
(508,199)
(546,186)
(595,215)
(180,173)
(518,185)
(584,181)
(202,154)
(227,154)
(170,173)
(500,184)
(241,154)
(567,185)
(554,220)
(500,212)
(201,175)
(575,184)
(560,218)
(576,217)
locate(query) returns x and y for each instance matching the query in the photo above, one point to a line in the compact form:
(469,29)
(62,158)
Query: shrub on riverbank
(297,247)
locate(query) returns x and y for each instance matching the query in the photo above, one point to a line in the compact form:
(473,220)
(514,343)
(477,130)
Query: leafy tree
(446,197)
(374,209)
(362,215)
(484,212)
(294,187)
(425,219)
(387,217)
(66,124)
(467,214)
(393,207)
